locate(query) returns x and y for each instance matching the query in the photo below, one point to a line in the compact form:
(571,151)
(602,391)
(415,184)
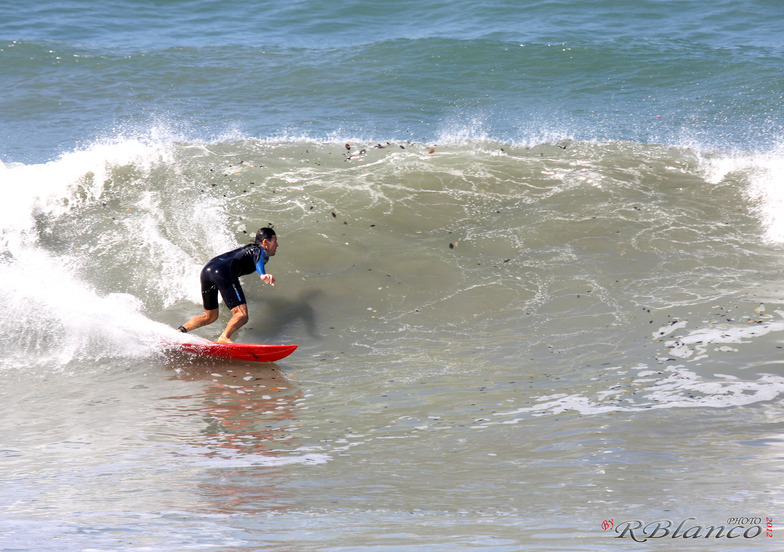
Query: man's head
(267,239)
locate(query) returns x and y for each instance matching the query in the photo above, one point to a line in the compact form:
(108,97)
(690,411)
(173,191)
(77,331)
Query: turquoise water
(530,252)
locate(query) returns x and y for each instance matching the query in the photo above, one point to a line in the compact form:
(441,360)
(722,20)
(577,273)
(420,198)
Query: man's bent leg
(239,317)
(207,317)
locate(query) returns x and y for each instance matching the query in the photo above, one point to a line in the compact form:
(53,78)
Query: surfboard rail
(237,351)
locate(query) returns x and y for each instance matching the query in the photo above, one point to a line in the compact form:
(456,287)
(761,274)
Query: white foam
(50,188)
(699,340)
(51,314)
(52,317)
(680,388)
(764,174)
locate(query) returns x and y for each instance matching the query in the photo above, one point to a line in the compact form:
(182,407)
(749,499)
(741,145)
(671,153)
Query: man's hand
(268,278)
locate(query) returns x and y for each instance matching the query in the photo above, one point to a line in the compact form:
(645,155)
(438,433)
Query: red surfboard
(238,351)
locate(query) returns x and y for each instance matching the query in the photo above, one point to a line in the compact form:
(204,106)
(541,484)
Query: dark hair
(265,233)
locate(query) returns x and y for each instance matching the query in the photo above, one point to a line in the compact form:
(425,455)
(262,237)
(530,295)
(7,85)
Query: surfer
(222,274)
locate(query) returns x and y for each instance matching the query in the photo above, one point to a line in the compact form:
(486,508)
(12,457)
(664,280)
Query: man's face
(270,246)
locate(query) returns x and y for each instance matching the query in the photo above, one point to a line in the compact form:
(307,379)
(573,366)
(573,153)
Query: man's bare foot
(222,339)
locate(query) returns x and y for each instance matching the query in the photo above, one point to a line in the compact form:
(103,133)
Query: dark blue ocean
(532,254)
(668,72)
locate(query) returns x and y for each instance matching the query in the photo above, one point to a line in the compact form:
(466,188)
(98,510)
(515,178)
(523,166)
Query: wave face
(399,249)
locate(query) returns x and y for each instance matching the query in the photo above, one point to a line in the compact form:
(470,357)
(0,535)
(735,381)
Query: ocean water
(532,254)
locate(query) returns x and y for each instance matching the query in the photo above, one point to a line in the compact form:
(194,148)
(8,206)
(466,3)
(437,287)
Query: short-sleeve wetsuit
(222,274)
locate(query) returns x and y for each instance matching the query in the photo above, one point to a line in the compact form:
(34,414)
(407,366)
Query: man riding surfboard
(221,275)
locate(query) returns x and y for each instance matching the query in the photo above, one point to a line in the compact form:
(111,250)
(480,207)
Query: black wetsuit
(222,274)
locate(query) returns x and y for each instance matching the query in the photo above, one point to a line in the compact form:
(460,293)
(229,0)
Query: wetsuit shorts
(216,278)
(221,275)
